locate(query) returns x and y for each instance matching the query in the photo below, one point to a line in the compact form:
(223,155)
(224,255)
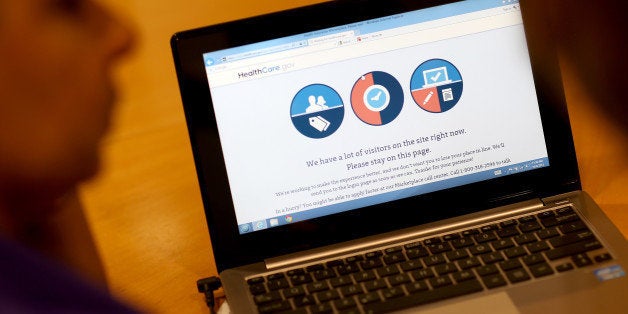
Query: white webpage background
(265,154)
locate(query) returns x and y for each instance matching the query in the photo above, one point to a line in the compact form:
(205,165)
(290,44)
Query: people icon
(316,104)
(317,111)
(321,102)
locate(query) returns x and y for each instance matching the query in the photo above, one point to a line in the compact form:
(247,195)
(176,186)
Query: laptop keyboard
(491,256)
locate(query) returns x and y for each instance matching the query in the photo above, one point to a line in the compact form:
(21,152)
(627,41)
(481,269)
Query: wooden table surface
(144,209)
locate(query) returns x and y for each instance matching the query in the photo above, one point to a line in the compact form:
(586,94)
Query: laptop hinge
(410,234)
(560,199)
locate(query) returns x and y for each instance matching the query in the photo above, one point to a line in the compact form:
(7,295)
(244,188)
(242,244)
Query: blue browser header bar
(350,32)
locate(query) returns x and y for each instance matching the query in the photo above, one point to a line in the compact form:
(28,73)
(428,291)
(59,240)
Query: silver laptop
(382,156)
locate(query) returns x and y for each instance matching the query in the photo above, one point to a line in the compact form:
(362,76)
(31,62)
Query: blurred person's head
(56,93)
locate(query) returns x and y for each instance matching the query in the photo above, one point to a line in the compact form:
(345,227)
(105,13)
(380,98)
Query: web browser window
(370,112)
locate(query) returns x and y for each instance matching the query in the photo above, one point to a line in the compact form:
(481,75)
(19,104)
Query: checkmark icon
(435,77)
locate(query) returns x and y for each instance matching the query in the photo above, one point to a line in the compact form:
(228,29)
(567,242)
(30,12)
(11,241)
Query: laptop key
(485,237)
(508,232)
(446,268)
(510,264)
(392,293)
(515,252)
(462,242)
(295,272)
(431,241)
(317,287)
(293,292)
(257,289)
(256,280)
(301,279)
(411,265)
(387,271)
(327,295)
(275,307)
(525,238)
(602,257)
(480,249)
(571,238)
(439,247)
(492,257)
(369,298)
(417,252)
(373,254)
(304,300)
(547,233)
(364,276)
(276,276)
(559,220)
(494,281)
(456,255)
(370,263)
(347,269)
(434,260)
(399,279)
(394,258)
(470,232)
(323,274)
(517,275)
(502,244)
(422,274)
(573,249)
(508,223)
(572,227)
(417,286)
(351,290)
(450,237)
(340,281)
(267,297)
(425,297)
(529,226)
(564,211)
(463,275)
(354,259)
(323,308)
(541,270)
(564,267)
(469,263)
(277,284)
(438,282)
(392,250)
(315,267)
(375,285)
(536,247)
(344,304)
(533,259)
(581,260)
(487,270)
(545,215)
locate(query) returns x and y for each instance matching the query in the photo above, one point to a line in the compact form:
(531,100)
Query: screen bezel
(232,249)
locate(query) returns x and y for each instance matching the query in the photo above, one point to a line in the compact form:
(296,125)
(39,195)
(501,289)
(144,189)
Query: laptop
(390,156)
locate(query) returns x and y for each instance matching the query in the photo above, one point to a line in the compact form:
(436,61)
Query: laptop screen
(374,111)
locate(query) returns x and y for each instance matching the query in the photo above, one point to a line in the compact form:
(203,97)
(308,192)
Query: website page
(372,112)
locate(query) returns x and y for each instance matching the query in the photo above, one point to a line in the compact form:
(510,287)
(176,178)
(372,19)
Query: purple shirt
(30,283)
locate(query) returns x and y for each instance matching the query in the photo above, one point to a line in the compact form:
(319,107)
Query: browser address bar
(401,38)
(338,38)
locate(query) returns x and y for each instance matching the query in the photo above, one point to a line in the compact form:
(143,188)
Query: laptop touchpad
(493,303)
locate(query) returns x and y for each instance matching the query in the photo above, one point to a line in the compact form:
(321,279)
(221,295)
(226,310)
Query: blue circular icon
(377,98)
(317,111)
(436,85)
(245,228)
